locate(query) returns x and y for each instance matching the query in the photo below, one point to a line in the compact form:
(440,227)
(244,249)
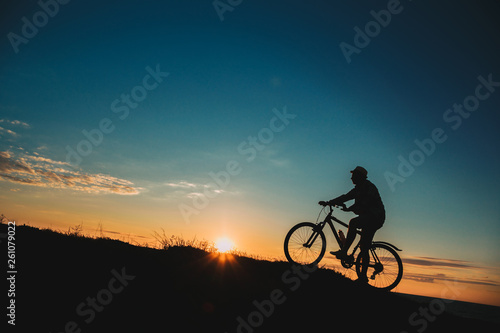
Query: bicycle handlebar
(326,203)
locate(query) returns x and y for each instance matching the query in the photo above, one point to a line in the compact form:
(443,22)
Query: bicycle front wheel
(305,244)
(385,268)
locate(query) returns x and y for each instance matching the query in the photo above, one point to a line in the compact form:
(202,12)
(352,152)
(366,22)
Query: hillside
(75,284)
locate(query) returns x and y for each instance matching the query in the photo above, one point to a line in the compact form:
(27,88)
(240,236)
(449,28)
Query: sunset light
(191,159)
(224,244)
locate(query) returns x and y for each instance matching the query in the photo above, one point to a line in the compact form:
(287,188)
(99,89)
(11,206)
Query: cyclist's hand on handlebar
(331,203)
(343,207)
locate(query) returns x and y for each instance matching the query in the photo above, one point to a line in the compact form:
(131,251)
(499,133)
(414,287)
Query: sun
(224,244)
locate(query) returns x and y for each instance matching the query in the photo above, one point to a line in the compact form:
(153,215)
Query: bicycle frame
(328,220)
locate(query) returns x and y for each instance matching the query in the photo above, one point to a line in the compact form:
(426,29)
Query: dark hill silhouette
(76,284)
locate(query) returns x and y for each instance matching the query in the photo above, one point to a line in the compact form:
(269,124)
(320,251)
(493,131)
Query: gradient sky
(227,81)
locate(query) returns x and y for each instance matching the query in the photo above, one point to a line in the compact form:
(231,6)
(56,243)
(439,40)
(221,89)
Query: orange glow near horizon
(224,261)
(429,277)
(224,244)
(450,279)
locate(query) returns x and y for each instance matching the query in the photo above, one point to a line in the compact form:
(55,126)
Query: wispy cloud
(9,165)
(273,157)
(47,160)
(435,270)
(186,190)
(15,123)
(439,277)
(181,184)
(191,190)
(4,131)
(45,172)
(429,261)
(7,125)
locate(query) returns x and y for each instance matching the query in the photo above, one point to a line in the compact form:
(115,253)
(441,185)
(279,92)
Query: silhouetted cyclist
(371,216)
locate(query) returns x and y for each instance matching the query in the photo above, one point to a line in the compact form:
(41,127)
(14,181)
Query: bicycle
(305,244)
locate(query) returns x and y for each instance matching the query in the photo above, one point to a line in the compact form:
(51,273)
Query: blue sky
(225,78)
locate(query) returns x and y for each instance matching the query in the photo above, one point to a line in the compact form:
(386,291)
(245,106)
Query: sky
(209,119)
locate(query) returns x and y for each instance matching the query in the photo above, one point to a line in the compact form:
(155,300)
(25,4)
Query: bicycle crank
(347,262)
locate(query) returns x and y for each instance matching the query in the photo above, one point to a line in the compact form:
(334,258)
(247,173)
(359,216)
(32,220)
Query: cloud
(4,130)
(15,123)
(431,278)
(419,278)
(181,184)
(432,270)
(429,261)
(9,165)
(175,190)
(45,172)
(47,160)
(192,190)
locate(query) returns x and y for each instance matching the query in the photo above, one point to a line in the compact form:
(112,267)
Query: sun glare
(224,244)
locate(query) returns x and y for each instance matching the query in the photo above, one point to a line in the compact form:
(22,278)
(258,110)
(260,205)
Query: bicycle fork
(314,235)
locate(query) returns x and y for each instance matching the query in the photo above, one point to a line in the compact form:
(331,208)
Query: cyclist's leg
(354,224)
(365,243)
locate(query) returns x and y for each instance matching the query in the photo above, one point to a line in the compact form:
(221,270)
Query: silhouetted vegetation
(68,283)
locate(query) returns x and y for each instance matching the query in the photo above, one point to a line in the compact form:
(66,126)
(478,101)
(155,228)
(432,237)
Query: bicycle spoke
(383,267)
(298,248)
(390,269)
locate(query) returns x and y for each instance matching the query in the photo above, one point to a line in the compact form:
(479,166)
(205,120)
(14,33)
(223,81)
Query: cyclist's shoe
(339,254)
(362,280)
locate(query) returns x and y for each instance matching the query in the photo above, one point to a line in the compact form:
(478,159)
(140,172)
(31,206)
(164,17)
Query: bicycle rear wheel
(385,268)
(305,244)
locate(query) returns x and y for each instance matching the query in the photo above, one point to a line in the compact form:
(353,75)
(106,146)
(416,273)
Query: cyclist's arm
(344,197)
